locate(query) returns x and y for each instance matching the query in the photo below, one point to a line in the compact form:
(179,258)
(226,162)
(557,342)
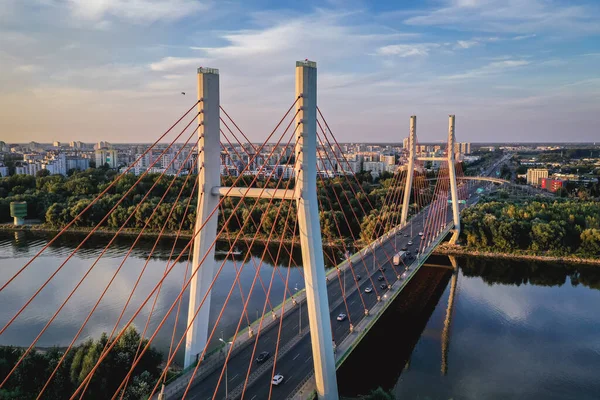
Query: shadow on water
(381,356)
(522,272)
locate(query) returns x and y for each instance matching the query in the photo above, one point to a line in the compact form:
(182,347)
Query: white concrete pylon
(412,144)
(310,231)
(452,175)
(209,150)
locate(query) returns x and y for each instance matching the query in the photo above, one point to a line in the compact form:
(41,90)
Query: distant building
(56,143)
(102,145)
(106,156)
(78,163)
(374,167)
(56,164)
(535,175)
(552,185)
(77,145)
(25,168)
(405,143)
(3,170)
(388,160)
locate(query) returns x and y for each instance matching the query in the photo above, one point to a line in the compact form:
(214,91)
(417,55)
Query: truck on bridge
(399,257)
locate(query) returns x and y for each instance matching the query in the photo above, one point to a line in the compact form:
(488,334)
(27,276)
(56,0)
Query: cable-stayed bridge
(296,189)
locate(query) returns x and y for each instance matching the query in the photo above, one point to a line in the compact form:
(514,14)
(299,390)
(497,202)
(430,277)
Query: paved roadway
(297,363)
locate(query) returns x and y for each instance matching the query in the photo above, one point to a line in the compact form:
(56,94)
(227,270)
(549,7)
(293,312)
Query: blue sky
(511,70)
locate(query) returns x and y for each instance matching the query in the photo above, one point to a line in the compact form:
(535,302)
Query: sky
(114,70)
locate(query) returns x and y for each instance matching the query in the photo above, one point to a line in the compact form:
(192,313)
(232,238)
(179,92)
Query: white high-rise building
(106,156)
(535,175)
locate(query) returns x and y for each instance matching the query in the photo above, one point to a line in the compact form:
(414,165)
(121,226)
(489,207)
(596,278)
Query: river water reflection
(515,330)
(16,248)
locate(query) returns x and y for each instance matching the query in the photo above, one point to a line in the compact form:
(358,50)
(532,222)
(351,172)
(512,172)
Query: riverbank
(128,232)
(454,250)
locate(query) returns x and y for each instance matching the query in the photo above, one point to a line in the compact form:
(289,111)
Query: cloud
(407,50)
(465,44)
(511,16)
(523,37)
(28,68)
(139,11)
(495,67)
(177,63)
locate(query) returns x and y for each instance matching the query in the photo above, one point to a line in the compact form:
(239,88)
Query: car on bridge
(341,317)
(410,243)
(406,235)
(262,357)
(420,233)
(380,278)
(383,286)
(358,277)
(404,248)
(368,289)
(277,379)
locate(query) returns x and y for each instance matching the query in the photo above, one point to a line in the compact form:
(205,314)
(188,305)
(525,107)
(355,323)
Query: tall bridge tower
(450,159)
(305,196)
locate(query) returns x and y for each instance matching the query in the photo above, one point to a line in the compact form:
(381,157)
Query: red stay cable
(110,186)
(121,264)
(195,270)
(102,356)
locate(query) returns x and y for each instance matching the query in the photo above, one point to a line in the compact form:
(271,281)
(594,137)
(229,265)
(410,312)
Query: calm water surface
(515,330)
(17,248)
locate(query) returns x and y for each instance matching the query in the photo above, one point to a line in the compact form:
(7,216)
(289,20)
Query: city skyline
(510,70)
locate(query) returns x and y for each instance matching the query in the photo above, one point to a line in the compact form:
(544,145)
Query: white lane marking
(236,375)
(290,378)
(352,302)
(307,360)
(253,397)
(297,355)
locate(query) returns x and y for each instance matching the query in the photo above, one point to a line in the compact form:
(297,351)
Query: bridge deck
(294,358)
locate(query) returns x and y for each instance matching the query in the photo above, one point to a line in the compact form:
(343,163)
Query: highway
(297,364)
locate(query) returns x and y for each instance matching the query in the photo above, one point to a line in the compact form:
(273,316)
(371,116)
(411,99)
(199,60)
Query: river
(513,329)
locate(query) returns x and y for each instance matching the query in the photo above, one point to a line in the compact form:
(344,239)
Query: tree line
(544,227)
(30,377)
(349,208)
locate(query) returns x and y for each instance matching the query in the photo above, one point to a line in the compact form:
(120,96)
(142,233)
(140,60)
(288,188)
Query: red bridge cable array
(85,239)
(122,263)
(281,244)
(251,216)
(170,268)
(78,284)
(369,276)
(76,218)
(201,357)
(183,219)
(334,261)
(354,176)
(195,269)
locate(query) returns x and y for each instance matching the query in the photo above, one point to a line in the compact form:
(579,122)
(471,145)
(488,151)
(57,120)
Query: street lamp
(299,311)
(227,344)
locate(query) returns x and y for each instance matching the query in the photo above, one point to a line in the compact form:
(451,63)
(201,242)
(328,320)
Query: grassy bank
(454,250)
(131,232)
